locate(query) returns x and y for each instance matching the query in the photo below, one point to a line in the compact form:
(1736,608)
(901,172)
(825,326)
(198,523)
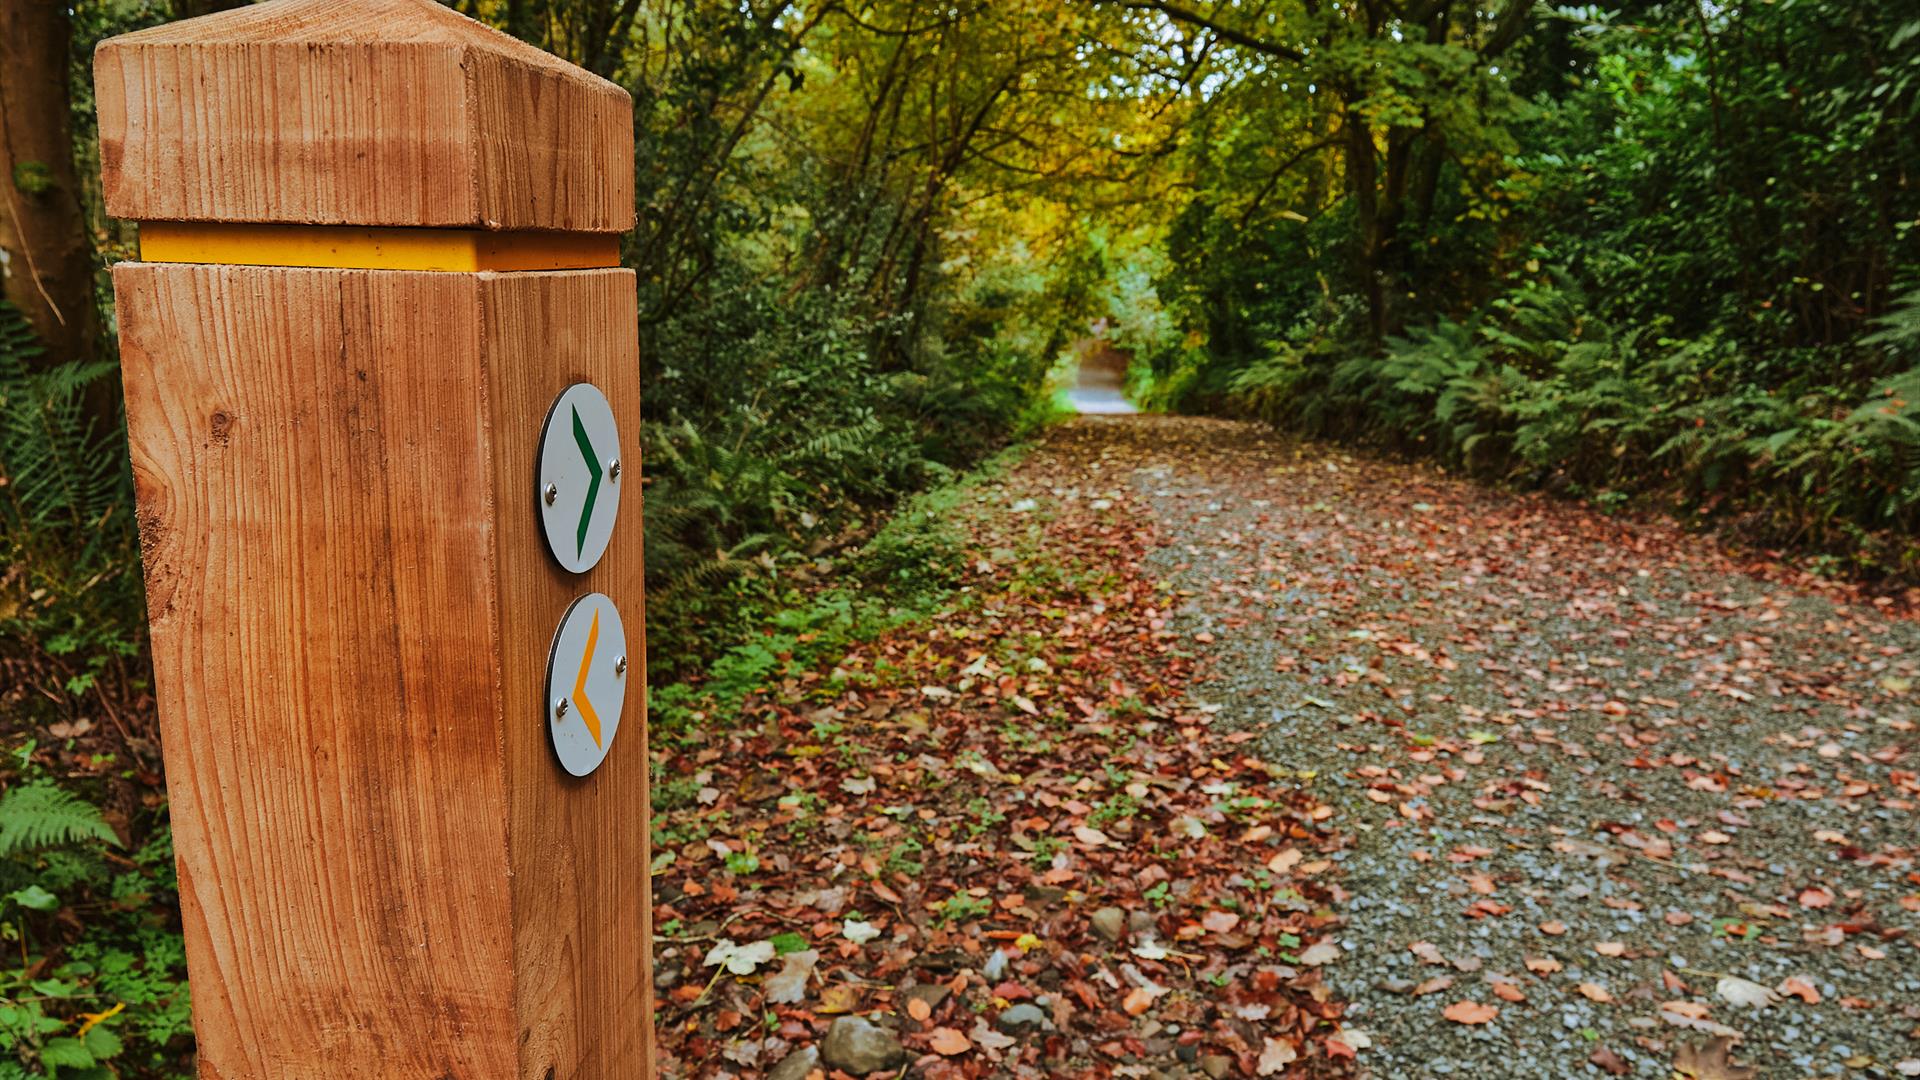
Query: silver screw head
(550,493)
(613,469)
(620,666)
(560,708)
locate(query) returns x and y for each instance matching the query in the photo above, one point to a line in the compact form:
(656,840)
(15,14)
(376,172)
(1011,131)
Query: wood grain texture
(362,112)
(383,872)
(579,845)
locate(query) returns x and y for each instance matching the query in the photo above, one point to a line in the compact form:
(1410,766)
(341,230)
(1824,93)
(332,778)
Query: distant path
(1591,767)
(1099,388)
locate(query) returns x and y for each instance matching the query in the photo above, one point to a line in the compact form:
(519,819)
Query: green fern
(59,472)
(39,815)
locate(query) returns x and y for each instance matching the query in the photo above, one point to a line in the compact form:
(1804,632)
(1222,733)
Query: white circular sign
(578,492)
(586,683)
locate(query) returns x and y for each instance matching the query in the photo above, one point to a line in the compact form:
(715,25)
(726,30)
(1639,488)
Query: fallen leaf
(1326,952)
(1219,922)
(1090,836)
(1140,999)
(1606,1059)
(919,1009)
(1708,1061)
(1610,948)
(949,1042)
(1594,992)
(1284,861)
(739,959)
(984,1035)
(1276,1055)
(789,984)
(1792,987)
(1745,992)
(1470,1012)
(1543,965)
(1554,928)
(1506,991)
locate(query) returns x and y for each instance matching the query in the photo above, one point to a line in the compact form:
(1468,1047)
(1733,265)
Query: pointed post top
(359,112)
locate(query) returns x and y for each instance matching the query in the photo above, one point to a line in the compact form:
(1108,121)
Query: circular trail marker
(577,491)
(586,683)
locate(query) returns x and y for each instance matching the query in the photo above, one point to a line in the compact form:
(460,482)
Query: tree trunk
(1363,176)
(46,260)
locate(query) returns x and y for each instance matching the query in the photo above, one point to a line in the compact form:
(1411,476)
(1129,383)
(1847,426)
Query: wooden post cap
(358,112)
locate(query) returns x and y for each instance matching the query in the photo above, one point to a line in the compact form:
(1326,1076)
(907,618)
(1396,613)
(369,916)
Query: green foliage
(97,984)
(40,815)
(1670,256)
(69,575)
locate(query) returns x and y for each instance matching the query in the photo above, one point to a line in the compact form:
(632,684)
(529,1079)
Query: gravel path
(1591,768)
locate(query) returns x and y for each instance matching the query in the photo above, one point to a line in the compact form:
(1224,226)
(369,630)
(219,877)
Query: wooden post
(379,243)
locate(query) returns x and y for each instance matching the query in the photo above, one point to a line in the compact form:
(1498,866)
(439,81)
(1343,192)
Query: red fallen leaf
(947,1041)
(1470,1012)
(1480,909)
(1816,898)
(1337,1049)
(1138,1000)
(1012,991)
(1792,987)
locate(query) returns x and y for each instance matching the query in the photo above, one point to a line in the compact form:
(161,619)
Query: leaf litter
(1007,835)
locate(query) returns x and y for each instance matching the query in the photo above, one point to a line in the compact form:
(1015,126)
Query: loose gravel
(1589,759)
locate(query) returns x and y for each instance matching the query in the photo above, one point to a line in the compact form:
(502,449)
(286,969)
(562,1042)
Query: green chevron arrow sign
(578,496)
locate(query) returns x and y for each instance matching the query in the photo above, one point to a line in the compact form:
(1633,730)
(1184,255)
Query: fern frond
(40,815)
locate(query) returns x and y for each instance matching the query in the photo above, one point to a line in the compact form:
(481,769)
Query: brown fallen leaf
(1543,965)
(1554,928)
(1594,992)
(1610,1061)
(1610,948)
(1506,991)
(1470,1012)
(949,1042)
(1708,1061)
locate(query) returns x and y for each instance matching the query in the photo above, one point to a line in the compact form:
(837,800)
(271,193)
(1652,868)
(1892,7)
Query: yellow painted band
(355,247)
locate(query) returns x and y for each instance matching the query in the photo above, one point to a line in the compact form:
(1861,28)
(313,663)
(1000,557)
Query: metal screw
(620,666)
(551,493)
(560,708)
(613,469)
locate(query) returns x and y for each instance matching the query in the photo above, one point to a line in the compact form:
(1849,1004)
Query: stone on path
(797,1065)
(859,1046)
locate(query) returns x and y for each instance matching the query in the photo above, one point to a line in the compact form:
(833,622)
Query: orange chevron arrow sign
(583,714)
